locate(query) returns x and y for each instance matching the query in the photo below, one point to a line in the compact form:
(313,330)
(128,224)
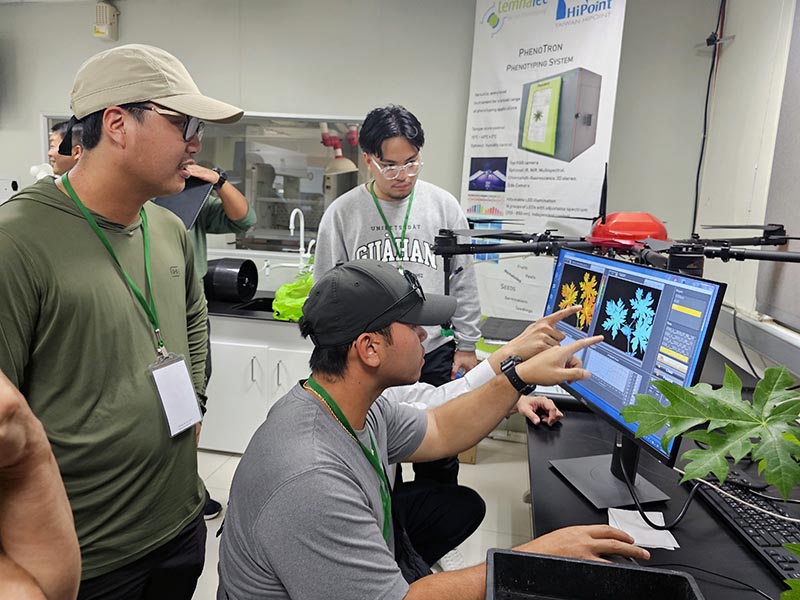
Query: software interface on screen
(656,325)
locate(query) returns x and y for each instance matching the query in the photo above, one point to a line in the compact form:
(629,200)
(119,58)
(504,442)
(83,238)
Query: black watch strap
(223,177)
(509,369)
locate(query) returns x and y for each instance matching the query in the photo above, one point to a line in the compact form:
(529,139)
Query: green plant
(765,428)
(728,426)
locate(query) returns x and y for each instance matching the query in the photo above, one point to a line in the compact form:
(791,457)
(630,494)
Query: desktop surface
(705,541)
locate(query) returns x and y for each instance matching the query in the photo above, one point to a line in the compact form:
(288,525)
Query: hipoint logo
(571,9)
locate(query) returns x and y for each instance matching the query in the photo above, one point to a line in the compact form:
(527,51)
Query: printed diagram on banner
(514,286)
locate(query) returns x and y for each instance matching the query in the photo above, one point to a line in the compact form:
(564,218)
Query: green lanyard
(372,456)
(149,307)
(385,222)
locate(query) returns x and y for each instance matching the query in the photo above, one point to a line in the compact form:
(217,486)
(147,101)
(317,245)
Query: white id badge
(176,391)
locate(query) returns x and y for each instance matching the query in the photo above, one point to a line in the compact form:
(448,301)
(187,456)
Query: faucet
(297,211)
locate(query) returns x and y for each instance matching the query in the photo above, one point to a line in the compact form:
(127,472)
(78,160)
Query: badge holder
(175,390)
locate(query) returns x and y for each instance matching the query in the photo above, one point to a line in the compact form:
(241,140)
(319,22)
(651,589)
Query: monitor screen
(656,324)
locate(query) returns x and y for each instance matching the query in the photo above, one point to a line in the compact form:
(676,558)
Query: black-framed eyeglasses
(192,126)
(416,288)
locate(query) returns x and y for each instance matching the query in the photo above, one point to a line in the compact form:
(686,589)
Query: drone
(639,235)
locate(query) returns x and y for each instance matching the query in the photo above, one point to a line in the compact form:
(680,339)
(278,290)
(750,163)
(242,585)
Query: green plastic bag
(289,299)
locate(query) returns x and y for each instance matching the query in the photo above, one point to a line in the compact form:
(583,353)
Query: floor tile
(209,462)
(222,477)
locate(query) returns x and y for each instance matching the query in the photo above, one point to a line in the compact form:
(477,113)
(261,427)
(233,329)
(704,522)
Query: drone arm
(726,254)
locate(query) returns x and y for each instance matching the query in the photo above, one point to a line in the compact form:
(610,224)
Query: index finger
(582,343)
(557,316)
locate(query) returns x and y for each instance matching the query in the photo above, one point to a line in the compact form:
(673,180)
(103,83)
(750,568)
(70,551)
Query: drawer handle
(252,369)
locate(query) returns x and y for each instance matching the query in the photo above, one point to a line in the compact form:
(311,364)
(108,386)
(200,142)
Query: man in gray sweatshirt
(395,218)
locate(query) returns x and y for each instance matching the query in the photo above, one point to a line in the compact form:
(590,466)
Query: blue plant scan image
(626,316)
(488,174)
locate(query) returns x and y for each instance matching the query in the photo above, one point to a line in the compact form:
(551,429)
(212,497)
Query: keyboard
(765,534)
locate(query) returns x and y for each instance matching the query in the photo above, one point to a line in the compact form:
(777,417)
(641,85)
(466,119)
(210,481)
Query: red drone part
(626,229)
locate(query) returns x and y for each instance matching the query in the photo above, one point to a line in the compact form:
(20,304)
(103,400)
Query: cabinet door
(286,368)
(238,396)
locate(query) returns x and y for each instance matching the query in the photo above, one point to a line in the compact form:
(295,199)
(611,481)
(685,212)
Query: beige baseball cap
(140,73)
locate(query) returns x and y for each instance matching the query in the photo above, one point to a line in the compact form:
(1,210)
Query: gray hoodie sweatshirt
(352,228)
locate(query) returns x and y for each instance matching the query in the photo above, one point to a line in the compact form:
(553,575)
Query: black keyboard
(765,534)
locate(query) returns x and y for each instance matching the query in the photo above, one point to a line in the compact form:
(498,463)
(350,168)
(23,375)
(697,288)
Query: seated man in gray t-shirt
(310,506)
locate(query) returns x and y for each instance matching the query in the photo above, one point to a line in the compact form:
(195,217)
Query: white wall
(288,56)
(345,57)
(658,120)
(743,130)
(736,177)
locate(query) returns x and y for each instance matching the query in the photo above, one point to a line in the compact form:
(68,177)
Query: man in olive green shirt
(96,286)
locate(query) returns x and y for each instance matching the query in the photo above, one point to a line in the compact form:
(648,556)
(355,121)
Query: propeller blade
(658,245)
(769,227)
(485,233)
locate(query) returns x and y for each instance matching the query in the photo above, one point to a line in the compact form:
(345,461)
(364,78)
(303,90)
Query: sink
(257,304)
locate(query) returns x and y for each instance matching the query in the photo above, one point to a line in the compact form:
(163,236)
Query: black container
(520,576)
(231,279)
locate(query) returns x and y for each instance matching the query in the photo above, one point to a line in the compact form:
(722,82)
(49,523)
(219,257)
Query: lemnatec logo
(498,12)
(572,9)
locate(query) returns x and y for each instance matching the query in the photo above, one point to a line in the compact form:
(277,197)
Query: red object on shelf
(352,136)
(624,229)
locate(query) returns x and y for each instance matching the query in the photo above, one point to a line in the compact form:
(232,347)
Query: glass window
(280,164)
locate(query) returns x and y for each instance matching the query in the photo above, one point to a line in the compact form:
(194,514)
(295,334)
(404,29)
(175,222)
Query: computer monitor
(657,325)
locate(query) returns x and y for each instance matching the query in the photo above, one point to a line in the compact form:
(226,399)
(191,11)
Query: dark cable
(744,584)
(741,346)
(760,494)
(713,40)
(644,516)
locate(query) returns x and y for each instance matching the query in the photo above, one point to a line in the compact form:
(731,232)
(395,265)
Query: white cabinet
(255,362)
(287,367)
(238,396)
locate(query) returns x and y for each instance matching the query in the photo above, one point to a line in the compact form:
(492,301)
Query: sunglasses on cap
(416,288)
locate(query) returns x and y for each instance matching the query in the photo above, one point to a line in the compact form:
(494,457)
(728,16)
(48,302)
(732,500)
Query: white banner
(541,107)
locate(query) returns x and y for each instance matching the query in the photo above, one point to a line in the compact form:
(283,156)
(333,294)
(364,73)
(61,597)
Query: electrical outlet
(8,187)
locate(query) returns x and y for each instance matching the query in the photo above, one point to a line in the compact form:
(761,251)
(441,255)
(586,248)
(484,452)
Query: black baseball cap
(368,295)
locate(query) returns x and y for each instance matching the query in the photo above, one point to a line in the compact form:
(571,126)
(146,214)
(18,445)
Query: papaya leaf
(734,441)
(732,427)
(729,398)
(775,460)
(651,416)
(687,409)
(774,383)
(794,584)
(788,410)
(793,593)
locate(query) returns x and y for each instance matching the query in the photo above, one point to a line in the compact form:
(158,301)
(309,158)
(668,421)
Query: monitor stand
(600,479)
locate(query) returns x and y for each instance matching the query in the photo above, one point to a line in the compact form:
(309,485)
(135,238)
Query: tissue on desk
(631,522)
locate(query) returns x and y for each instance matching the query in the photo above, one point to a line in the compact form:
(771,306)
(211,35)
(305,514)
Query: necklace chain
(333,414)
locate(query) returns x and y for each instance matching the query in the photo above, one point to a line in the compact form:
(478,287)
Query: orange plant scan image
(579,287)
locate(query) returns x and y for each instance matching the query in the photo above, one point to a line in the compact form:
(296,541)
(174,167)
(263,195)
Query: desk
(704,541)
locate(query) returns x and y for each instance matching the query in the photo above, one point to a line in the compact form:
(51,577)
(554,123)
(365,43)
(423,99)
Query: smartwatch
(509,369)
(223,177)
